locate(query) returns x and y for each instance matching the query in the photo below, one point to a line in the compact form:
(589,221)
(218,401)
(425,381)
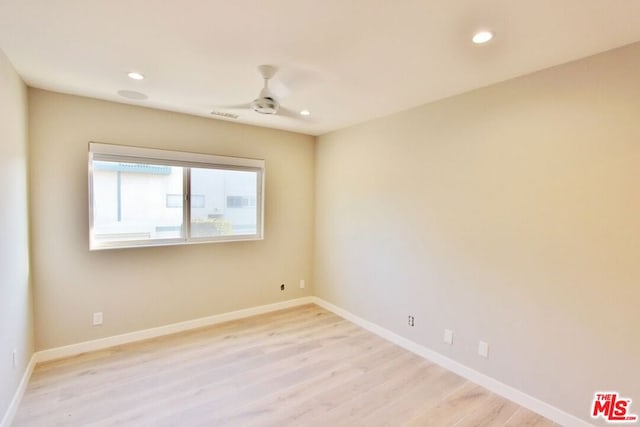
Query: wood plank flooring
(298,367)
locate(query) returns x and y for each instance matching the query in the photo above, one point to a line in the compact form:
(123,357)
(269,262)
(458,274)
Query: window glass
(218,217)
(148,197)
(130,201)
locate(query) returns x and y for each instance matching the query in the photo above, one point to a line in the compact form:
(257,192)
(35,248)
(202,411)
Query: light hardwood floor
(298,367)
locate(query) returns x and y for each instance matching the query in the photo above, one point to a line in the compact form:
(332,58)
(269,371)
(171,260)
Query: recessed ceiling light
(305,112)
(135,76)
(482,37)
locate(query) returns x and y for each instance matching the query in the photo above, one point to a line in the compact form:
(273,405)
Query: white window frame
(126,154)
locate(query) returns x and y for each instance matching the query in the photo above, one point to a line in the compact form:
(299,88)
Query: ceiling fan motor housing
(265,105)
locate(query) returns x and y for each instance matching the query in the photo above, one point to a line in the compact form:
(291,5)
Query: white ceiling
(347,61)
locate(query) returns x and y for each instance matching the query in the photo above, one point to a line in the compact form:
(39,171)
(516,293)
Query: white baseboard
(103,343)
(508,392)
(100,344)
(7,419)
(536,405)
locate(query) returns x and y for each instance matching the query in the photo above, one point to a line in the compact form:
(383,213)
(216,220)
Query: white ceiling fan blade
(287,112)
(279,89)
(298,78)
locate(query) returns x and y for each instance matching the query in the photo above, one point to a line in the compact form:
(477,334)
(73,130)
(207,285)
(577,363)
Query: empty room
(320,213)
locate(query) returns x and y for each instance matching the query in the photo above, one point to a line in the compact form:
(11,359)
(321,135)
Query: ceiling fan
(266,103)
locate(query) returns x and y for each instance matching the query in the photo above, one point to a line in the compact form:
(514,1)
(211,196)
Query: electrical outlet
(282,287)
(301,283)
(483,349)
(448,336)
(14,355)
(412,321)
(97,318)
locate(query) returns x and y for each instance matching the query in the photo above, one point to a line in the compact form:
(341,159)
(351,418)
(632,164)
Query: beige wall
(16,329)
(148,287)
(510,214)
